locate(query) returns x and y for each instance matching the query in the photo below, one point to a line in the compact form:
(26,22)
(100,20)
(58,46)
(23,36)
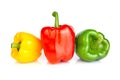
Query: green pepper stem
(97,42)
(15,45)
(55,14)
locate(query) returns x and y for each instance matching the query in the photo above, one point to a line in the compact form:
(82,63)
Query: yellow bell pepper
(26,47)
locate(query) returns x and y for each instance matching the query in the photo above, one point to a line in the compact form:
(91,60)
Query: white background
(32,15)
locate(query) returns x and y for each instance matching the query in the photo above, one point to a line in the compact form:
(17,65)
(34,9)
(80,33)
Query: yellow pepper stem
(15,45)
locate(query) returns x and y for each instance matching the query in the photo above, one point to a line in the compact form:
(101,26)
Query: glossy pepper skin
(58,42)
(26,47)
(91,45)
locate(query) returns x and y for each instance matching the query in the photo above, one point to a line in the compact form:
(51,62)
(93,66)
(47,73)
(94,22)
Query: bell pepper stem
(15,45)
(97,42)
(55,14)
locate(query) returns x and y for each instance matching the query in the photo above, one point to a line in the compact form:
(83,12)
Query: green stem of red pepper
(55,14)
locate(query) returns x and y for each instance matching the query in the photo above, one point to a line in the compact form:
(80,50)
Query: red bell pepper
(58,42)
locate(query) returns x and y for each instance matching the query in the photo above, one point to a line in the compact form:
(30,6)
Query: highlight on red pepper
(91,45)
(58,41)
(25,47)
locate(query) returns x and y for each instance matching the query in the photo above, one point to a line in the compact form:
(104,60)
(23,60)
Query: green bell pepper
(91,45)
